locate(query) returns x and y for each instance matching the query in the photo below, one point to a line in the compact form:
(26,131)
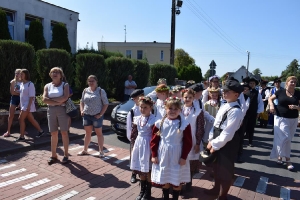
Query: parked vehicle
(119,114)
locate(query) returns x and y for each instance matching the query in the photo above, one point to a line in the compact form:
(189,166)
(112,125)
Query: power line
(200,16)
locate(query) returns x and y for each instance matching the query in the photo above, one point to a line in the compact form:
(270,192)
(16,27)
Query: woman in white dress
(141,153)
(195,116)
(285,120)
(170,145)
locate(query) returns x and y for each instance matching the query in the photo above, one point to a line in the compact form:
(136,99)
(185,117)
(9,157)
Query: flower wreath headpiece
(192,82)
(176,89)
(161,80)
(163,89)
(146,99)
(174,99)
(216,90)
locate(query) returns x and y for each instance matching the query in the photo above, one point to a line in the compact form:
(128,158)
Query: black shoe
(176,194)
(20,139)
(213,191)
(40,134)
(65,160)
(133,178)
(188,187)
(143,190)
(166,193)
(52,160)
(147,194)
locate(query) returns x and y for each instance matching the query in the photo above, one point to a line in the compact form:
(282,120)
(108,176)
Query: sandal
(7,134)
(65,160)
(52,160)
(82,153)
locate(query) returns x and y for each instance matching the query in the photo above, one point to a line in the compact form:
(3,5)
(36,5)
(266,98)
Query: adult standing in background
(56,93)
(130,85)
(285,120)
(93,105)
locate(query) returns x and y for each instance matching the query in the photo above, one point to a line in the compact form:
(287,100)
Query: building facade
(21,12)
(154,52)
(241,73)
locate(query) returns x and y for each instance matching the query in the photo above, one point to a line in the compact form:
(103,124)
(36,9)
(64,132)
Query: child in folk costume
(170,145)
(135,111)
(162,92)
(211,106)
(141,152)
(153,94)
(190,114)
(176,91)
(225,138)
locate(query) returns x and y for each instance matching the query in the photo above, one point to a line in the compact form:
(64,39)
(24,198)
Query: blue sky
(206,29)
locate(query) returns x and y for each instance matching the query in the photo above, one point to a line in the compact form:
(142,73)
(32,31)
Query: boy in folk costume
(135,111)
(141,152)
(195,116)
(223,142)
(170,145)
(265,94)
(162,92)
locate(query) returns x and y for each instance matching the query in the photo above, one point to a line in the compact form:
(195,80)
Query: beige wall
(152,51)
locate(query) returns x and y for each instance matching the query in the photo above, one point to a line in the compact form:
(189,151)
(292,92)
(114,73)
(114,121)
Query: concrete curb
(37,145)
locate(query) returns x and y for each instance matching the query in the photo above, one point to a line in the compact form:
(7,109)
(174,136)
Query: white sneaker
(101,154)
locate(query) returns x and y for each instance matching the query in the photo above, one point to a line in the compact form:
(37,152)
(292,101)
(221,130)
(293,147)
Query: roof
(58,6)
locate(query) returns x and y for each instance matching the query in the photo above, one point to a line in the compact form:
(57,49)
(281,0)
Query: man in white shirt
(225,139)
(130,85)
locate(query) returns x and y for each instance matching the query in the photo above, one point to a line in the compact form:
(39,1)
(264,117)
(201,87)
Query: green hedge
(14,55)
(90,64)
(191,72)
(162,71)
(46,59)
(119,69)
(141,73)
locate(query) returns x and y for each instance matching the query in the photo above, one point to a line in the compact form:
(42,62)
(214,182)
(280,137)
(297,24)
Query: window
(28,20)
(128,53)
(161,55)
(11,23)
(139,54)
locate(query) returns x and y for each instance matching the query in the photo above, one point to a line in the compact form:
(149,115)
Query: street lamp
(248,52)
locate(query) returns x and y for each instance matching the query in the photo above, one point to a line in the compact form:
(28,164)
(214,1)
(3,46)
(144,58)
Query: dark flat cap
(197,87)
(136,93)
(253,80)
(234,85)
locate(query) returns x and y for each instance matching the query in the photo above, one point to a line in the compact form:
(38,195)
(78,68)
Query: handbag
(71,109)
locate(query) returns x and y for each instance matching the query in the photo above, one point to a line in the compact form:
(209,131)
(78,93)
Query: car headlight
(113,113)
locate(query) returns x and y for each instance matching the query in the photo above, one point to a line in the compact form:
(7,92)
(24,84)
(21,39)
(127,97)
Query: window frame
(128,55)
(162,55)
(137,54)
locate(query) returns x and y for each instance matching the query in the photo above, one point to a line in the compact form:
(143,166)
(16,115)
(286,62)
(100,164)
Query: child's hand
(182,162)
(197,148)
(154,160)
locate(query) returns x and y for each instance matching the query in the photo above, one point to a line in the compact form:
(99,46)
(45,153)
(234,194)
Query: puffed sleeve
(187,142)
(200,127)
(154,142)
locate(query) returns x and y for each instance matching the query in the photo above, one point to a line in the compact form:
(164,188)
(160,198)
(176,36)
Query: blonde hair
(17,71)
(290,78)
(92,76)
(162,88)
(60,71)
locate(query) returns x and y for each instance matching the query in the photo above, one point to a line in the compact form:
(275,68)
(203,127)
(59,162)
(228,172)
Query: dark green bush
(14,55)
(36,35)
(119,69)
(191,72)
(60,37)
(141,73)
(4,32)
(162,71)
(104,53)
(90,64)
(46,59)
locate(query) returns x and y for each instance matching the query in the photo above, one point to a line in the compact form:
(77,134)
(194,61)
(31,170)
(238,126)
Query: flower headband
(213,90)
(162,89)
(176,89)
(146,99)
(161,80)
(188,89)
(191,82)
(174,99)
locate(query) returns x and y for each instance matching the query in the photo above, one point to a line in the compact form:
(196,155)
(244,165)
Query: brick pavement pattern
(27,175)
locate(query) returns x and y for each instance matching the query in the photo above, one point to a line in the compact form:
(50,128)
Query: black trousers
(250,126)
(241,132)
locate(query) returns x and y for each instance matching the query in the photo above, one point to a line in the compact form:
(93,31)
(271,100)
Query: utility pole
(248,63)
(173,21)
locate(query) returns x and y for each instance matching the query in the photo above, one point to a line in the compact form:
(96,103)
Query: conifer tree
(60,37)
(36,35)
(4,32)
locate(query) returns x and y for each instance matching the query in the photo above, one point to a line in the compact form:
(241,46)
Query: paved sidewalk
(27,176)
(8,146)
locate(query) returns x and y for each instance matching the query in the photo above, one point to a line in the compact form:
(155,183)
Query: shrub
(49,58)
(191,72)
(36,35)
(90,64)
(108,54)
(14,55)
(141,73)
(162,71)
(4,32)
(60,37)
(119,69)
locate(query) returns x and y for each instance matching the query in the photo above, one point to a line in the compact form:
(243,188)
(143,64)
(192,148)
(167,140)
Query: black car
(119,114)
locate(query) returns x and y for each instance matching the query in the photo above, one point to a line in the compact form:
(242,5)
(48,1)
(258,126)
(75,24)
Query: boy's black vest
(263,96)
(253,102)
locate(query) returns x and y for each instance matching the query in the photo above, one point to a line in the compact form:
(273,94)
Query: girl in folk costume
(191,113)
(212,107)
(214,83)
(176,91)
(170,145)
(141,153)
(134,112)
(162,92)
(153,94)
